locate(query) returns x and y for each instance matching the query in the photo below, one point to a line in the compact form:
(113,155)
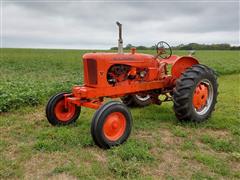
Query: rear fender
(181,64)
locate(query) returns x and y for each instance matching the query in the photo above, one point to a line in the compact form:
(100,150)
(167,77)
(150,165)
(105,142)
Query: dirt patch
(62,176)
(144,134)
(41,165)
(217,134)
(173,164)
(221,134)
(169,164)
(165,135)
(169,139)
(36,115)
(204,148)
(100,155)
(235,166)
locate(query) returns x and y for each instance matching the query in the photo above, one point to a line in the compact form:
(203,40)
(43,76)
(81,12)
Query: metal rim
(114,126)
(143,98)
(203,97)
(62,113)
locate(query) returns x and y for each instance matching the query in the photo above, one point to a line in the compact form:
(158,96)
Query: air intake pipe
(120,41)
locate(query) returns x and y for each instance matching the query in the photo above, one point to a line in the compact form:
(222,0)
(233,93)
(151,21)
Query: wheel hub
(64,113)
(114,126)
(202,97)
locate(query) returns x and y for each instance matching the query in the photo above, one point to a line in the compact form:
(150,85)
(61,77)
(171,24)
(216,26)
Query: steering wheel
(163,50)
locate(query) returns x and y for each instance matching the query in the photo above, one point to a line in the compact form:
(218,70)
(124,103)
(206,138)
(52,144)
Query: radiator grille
(92,71)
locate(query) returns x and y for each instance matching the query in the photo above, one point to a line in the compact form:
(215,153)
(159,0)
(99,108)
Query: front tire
(56,112)
(195,94)
(111,125)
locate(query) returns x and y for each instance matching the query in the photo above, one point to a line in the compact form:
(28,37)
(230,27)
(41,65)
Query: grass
(220,144)
(215,164)
(159,147)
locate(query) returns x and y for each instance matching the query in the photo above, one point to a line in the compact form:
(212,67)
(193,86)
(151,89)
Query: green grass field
(159,147)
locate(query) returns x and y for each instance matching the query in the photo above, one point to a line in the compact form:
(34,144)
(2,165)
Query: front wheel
(111,125)
(59,114)
(195,94)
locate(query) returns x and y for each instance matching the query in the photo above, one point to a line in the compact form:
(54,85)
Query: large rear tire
(111,125)
(136,100)
(195,94)
(56,112)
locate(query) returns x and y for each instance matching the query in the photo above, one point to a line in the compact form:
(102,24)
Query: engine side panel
(104,61)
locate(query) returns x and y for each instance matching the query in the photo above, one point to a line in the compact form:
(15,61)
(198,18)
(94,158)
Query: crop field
(159,147)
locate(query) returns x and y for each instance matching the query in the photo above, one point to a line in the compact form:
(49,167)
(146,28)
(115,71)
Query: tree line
(190,46)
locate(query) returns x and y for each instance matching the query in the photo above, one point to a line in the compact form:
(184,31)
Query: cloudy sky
(91,25)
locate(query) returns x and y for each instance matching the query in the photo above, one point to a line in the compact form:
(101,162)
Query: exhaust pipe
(120,41)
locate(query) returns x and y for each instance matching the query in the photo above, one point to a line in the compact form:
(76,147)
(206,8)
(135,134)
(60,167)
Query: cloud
(86,25)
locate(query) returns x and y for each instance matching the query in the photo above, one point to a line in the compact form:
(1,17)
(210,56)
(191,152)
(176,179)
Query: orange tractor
(138,80)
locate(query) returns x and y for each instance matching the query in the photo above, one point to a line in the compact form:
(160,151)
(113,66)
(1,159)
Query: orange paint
(97,65)
(64,113)
(200,96)
(114,126)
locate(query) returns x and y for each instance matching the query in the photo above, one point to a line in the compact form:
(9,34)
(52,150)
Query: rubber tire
(183,93)
(52,119)
(133,101)
(99,119)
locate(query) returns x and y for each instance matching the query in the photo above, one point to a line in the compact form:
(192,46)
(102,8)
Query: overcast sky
(91,25)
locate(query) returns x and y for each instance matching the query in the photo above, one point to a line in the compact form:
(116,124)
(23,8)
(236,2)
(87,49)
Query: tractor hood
(137,57)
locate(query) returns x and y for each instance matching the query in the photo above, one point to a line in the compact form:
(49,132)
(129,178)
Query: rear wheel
(139,100)
(58,114)
(195,94)
(111,124)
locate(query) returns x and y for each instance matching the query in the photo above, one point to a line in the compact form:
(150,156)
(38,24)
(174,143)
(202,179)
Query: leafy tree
(190,46)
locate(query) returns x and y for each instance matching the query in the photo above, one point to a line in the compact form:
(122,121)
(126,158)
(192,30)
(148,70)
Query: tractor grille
(92,71)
